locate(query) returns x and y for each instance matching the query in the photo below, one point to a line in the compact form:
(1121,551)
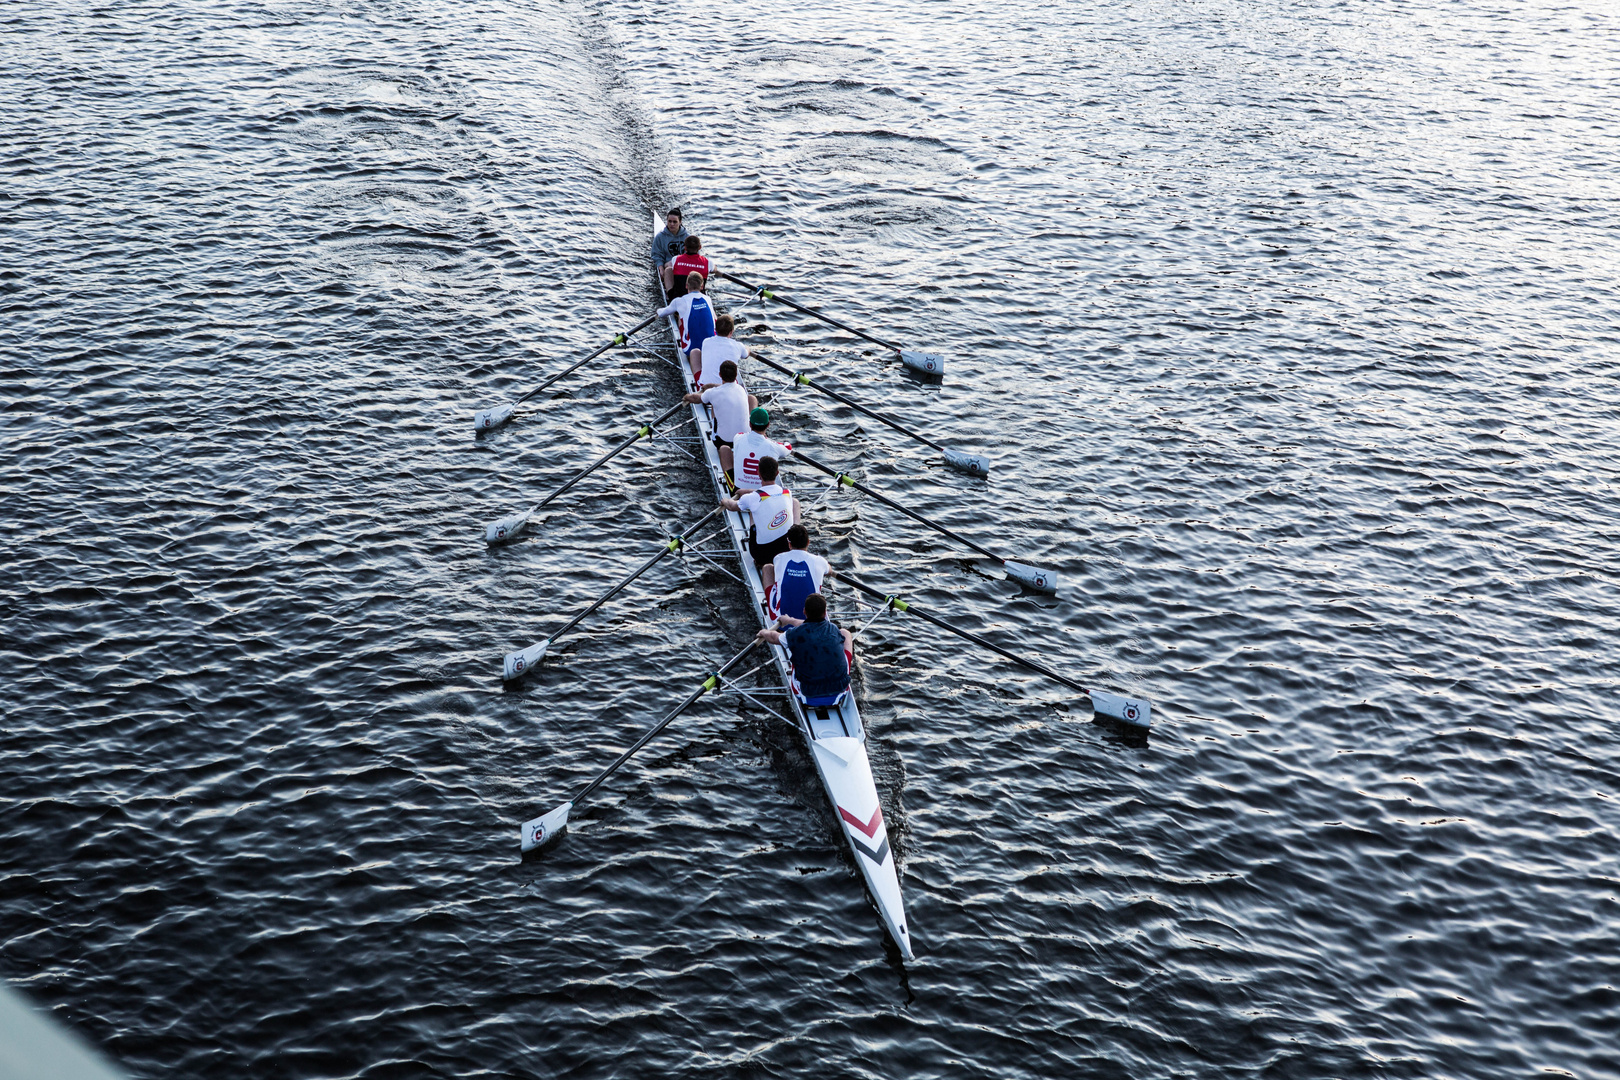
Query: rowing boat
(833,733)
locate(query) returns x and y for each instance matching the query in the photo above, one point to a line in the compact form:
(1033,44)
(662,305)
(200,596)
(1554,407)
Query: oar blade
(923,363)
(545,827)
(1135,711)
(490,419)
(518,664)
(508,528)
(1032,577)
(972,464)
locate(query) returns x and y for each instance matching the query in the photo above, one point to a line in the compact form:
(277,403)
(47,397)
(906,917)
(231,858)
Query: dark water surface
(1291,329)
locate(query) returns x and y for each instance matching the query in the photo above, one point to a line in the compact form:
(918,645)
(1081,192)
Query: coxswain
(687,262)
(798,573)
(706,356)
(751,447)
(669,243)
(694,317)
(731,403)
(774,511)
(822,653)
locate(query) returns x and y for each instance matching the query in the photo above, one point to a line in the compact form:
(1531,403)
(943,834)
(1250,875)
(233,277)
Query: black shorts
(764,553)
(718,441)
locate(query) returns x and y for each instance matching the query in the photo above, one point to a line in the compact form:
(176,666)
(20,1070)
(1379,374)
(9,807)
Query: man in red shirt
(689,262)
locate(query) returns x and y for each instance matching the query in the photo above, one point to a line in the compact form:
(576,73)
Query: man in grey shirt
(670,242)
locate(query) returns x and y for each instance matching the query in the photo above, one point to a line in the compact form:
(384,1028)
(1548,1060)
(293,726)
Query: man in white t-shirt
(774,511)
(798,574)
(751,447)
(707,356)
(730,403)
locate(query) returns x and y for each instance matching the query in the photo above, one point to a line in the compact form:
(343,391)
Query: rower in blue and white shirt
(799,573)
(774,511)
(694,316)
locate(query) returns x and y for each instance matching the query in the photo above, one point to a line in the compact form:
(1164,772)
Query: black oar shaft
(708,684)
(671,545)
(805,380)
(645,430)
(849,481)
(911,609)
(812,312)
(619,339)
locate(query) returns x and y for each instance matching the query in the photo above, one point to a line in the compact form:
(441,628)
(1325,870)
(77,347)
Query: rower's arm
(772,636)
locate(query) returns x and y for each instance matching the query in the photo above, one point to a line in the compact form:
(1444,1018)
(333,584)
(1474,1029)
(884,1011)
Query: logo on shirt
(779,520)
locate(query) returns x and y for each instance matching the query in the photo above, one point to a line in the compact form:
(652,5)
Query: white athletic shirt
(681,308)
(772,509)
(730,404)
(716,351)
(746,450)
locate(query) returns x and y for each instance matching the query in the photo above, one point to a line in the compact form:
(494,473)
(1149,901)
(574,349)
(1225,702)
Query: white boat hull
(835,735)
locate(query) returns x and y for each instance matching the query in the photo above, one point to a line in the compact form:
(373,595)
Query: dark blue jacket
(817,649)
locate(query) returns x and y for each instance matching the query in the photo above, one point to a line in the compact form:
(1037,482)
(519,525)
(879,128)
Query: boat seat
(829,701)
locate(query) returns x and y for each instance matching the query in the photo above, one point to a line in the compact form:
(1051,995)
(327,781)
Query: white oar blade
(508,528)
(1131,710)
(546,826)
(923,363)
(1031,577)
(972,464)
(493,418)
(517,664)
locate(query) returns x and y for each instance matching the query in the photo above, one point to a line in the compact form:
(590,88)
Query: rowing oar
(517,663)
(976,464)
(509,527)
(1032,576)
(1135,711)
(546,826)
(494,418)
(924,363)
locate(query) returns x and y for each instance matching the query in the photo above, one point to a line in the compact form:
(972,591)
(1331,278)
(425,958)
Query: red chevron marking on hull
(870,828)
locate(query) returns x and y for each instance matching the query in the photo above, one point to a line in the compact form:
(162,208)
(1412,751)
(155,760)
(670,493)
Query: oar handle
(804,380)
(708,684)
(618,339)
(671,545)
(900,605)
(849,481)
(812,312)
(645,430)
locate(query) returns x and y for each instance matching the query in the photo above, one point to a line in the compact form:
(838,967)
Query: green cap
(758,418)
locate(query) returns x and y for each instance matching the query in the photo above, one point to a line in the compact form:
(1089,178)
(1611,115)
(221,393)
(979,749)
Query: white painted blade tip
(1032,577)
(507,528)
(973,464)
(923,363)
(545,827)
(1134,711)
(490,419)
(517,664)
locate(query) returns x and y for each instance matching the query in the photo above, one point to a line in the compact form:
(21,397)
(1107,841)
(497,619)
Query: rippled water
(1290,329)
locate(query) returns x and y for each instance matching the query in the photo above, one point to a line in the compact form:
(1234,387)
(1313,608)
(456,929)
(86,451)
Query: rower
(730,402)
(798,573)
(707,355)
(820,674)
(688,262)
(694,318)
(668,244)
(752,447)
(774,510)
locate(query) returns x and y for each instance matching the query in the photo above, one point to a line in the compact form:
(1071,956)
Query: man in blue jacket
(822,653)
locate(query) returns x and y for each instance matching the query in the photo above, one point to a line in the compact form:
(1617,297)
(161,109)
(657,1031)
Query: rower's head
(815,608)
(724,325)
(694,282)
(693,245)
(798,537)
(759,419)
(767,470)
(728,371)
(672,220)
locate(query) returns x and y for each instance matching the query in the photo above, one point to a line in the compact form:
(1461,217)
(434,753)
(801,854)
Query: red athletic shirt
(685,264)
